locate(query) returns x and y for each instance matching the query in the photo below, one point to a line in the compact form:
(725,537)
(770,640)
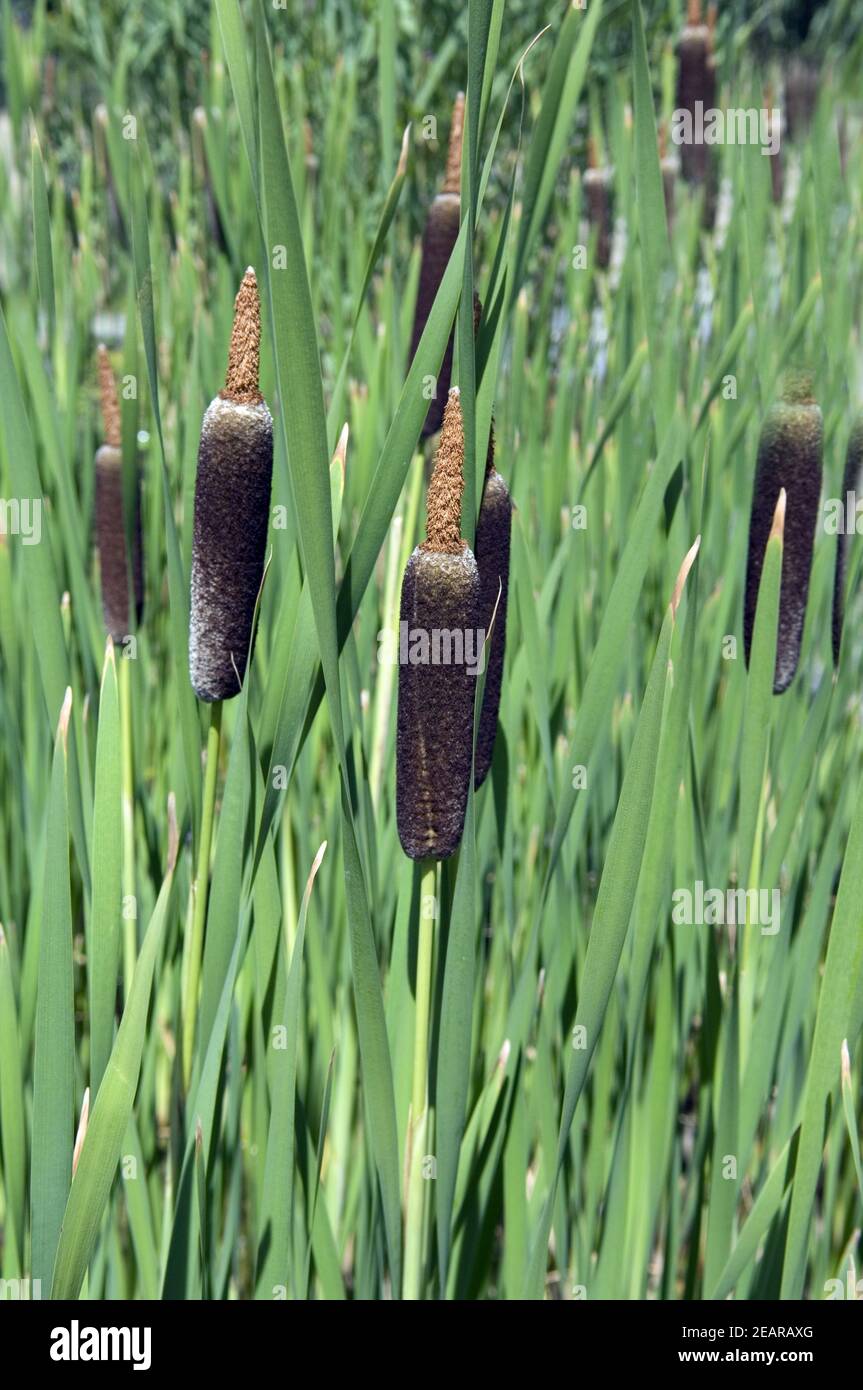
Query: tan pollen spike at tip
(452,178)
(693,13)
(447,483)
(244,353)
(109,400)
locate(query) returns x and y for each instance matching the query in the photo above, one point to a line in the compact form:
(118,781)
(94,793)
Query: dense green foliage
(620,1104)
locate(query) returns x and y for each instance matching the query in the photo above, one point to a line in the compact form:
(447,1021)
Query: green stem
(417,1126)
(199,888)
(130,920)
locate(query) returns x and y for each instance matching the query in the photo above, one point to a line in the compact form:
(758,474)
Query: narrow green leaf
(100,1153)
(54,1065)
(277,1197)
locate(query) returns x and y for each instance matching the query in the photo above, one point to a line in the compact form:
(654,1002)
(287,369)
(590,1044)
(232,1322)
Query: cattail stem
(415,1206)
(130,920)
(199,888)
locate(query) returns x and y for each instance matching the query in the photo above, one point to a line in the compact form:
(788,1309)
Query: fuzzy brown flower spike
(114,563)
(232,501)
(452,178)
(108,400)
(244,353)
(439,238)
(447,485)
(438,653)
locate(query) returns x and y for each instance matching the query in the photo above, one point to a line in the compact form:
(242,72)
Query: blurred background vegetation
(157,53)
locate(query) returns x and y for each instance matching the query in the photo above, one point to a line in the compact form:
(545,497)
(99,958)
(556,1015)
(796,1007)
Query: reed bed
(397,990)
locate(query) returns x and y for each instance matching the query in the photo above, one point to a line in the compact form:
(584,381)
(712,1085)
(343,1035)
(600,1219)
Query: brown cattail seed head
(437,671)
(774,129)
(801,96)
(493,528)
(439,238)
(696,81)
(789,458)
(110,520)
(232,501)
(850,482)
(597,187)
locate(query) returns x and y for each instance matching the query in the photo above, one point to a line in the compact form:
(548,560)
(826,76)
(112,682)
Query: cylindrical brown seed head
(439,238)
(232,500)
(492,545)
(789,457)
(597,188)
(696,81)
(801,97)
(850,483)
(110,521)
(437,667)
(774,131)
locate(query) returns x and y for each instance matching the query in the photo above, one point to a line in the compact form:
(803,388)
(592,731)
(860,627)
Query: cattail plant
(232,503)
(232,500)
(439,238)
(696,82)
(116,565)
(597,188)
(850,482)
(120,571)
(789,457)
(440,593)
(801,96)
(434,748)
(774,128)
(493,526)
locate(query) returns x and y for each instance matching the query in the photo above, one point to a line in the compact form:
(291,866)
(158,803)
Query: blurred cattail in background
(492,542)
(440,595)
(789,457)
(850,482)
(114,562)
(439,238)
(232,500)
(696,81)
(774,131)
(801,97)
(597,188)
